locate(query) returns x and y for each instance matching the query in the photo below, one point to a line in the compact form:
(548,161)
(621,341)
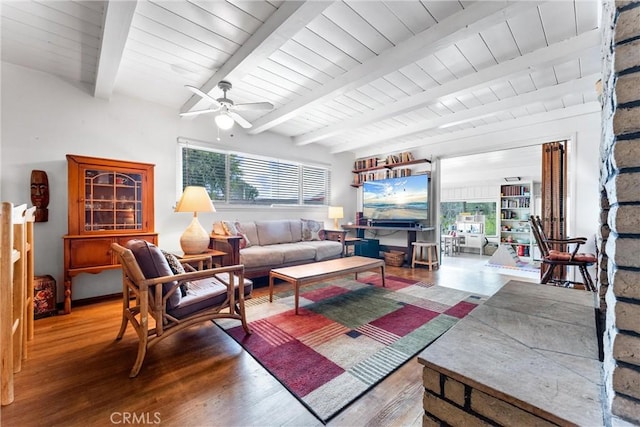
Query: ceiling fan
(226,107)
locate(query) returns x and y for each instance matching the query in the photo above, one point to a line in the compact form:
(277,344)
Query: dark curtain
(554,194)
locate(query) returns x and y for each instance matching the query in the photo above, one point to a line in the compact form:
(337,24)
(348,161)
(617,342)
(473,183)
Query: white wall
(44,118)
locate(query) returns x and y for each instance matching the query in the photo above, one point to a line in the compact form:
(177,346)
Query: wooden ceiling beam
(280,27)
(115,31)
(472,20)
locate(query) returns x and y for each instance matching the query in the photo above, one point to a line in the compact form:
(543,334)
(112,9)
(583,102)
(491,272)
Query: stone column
(619,235)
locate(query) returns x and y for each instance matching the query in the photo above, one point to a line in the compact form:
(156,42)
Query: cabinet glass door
(113,200)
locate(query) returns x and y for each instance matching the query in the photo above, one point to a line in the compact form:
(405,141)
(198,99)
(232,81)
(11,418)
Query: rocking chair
(174,301)
(553,258)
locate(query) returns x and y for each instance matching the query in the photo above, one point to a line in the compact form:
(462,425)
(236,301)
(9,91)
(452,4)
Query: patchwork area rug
(348,336)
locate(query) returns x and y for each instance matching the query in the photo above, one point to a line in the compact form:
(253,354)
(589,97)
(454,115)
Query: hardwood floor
(77,374)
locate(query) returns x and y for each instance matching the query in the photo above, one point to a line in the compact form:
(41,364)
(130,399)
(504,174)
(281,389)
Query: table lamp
(335,213)
(195,239)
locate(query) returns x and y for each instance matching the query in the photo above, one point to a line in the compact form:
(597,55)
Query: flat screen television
(405,198)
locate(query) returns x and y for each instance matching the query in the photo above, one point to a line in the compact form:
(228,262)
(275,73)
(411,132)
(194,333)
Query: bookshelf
(392,166)
(516,205)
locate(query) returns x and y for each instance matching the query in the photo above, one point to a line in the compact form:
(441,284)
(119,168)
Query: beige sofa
(263,245)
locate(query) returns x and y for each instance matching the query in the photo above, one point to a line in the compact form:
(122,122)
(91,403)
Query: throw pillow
(176,266)
(312,230)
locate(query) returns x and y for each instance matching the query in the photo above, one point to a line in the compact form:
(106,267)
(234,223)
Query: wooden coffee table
(315,272)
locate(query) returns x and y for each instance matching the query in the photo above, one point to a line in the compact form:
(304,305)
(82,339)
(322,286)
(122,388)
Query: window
(238,178)
(449,211)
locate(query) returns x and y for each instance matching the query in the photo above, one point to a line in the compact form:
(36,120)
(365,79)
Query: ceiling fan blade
(196,112)
(254,106)
(240,120)
(205,96)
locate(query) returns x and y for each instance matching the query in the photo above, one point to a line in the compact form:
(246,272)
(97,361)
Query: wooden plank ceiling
(360,76)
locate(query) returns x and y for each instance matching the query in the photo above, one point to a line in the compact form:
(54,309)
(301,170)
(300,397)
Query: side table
(207,259)
(351,242)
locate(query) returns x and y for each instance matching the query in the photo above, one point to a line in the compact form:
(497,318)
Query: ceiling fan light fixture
(224,121)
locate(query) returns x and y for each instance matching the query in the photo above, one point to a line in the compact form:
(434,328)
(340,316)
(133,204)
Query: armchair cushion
(566,256)
(205,293)
(589,258)
(154,264)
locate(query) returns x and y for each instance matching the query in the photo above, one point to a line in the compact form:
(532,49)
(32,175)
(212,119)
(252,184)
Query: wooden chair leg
(142,352)
(586,277)
(125,308)
(547,274)
(413,258)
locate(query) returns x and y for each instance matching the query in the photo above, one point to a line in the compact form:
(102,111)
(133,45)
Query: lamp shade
(224,121)
(335,213)
(195,199)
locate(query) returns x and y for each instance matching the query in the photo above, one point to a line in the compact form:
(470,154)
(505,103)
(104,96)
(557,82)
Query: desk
(411,233)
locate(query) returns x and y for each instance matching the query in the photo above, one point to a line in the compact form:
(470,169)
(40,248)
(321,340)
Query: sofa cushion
(250,231)
(312,230)
(296,230)
(153,264)
(206,293)
(261,256)
(294,252)
(273,232)
(325,249)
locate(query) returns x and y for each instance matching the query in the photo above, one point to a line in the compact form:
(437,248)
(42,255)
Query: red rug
(348,336)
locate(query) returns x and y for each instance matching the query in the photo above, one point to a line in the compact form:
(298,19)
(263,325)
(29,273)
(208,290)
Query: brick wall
(619,237)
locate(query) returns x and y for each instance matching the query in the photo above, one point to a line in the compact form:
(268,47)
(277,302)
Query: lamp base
(195,239)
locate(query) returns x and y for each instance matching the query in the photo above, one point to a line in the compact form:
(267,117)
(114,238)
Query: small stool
(431,259)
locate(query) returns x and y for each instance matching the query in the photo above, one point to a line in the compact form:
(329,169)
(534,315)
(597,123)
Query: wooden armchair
(556,253)
(174,301)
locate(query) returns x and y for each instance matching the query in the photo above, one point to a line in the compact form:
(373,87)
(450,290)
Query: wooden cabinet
(109,201)
(393,166)
(515,208)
